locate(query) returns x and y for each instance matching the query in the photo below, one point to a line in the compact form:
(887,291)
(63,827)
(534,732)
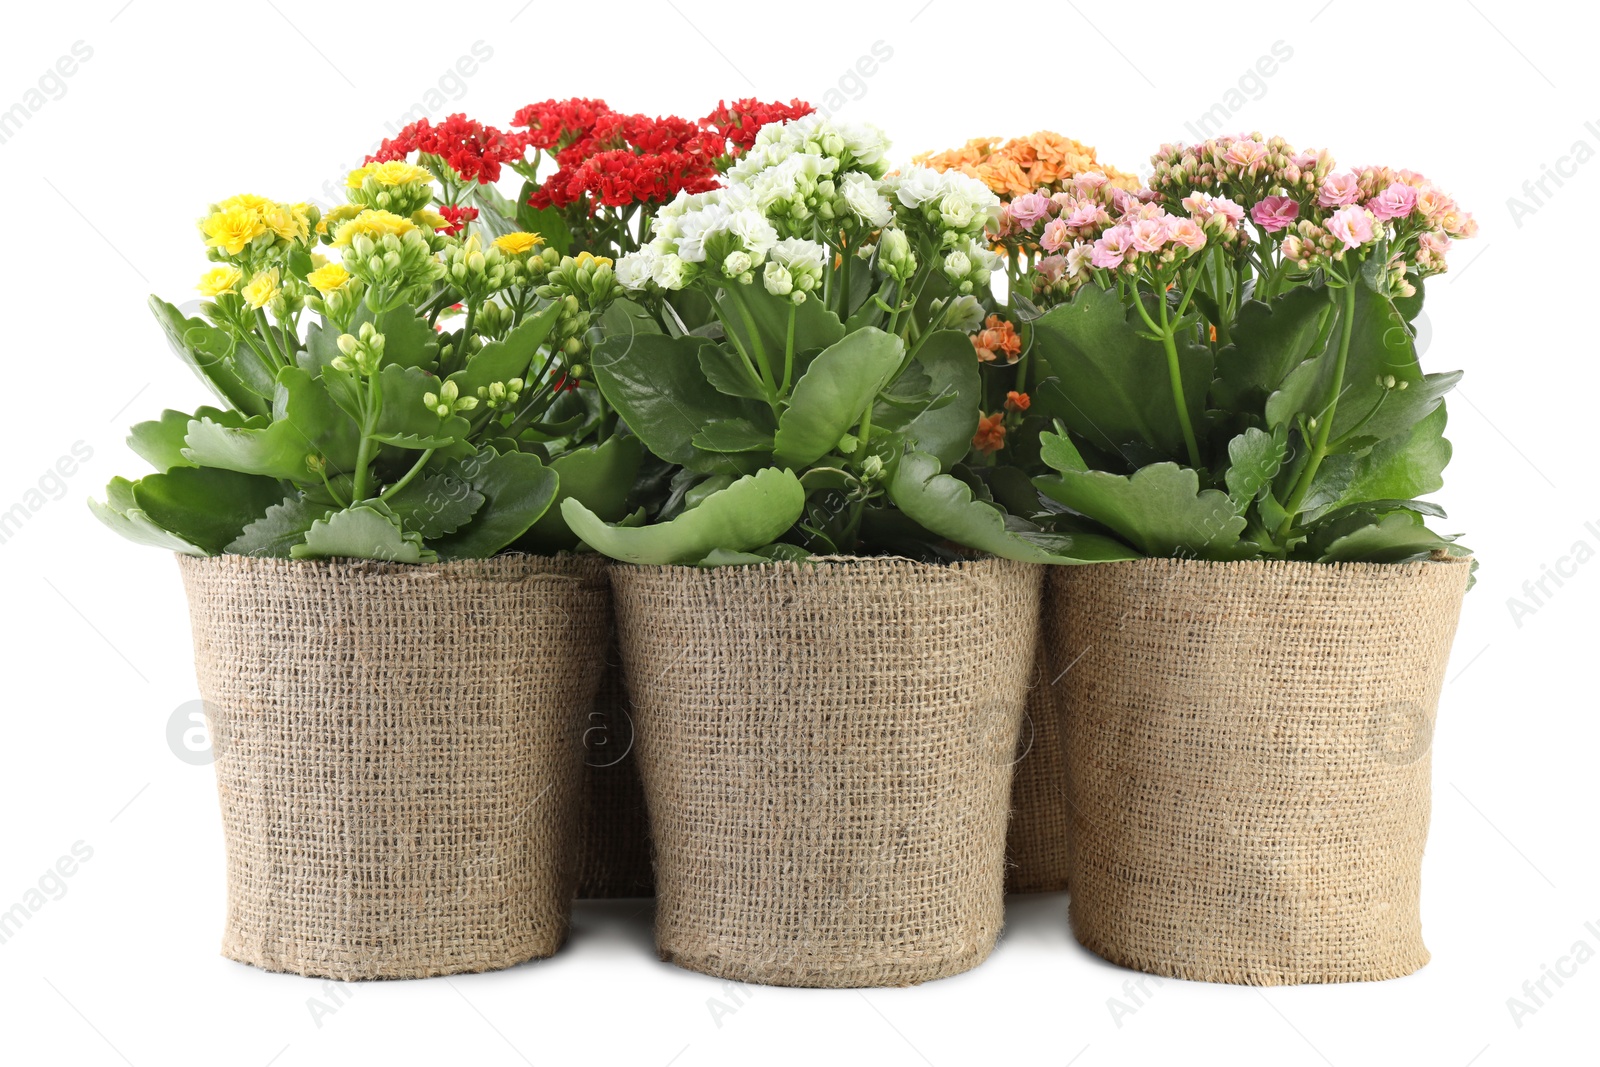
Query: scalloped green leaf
(205,506)
(361,532)
(1160,509)
(944,505)
(502,360)
(518,490)
(283,526)
(749,514)
(121,513)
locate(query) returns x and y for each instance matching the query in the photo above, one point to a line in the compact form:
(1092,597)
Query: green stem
(405,480)
(374,405)
(1319,448)
(1175,373)
(266,329)
(788,353)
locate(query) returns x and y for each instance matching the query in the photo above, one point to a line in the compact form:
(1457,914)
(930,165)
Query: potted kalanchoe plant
(798,353)
(1235,393)
(392,416)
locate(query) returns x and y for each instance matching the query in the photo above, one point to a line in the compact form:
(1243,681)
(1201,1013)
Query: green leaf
(1381,348)
(733,435)
(502,360)
(751,513)
(283,527)
(656,384)
(404,414)
(1401,467)
(518,489)
(1160,509)
(601,477)
(1115,382)
(434,505)
(943,504)
(624,318)
(209,353)
(121,513)
(1396,537)
(729,373)
(306,421)
(361,532)
(205,506)
(1059,453)
(1254,459)
(1269,341)
(160,442)
(946,425)
(408,340)
(834,393)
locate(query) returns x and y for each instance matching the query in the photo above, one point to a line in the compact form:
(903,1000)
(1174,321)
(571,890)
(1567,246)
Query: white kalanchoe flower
(777,279)
(918,185)
(965,314)
(736,264)
(957,266)
(966,204)
(635,269)
(802,261)
(864,200)
(895,256)
(672,271)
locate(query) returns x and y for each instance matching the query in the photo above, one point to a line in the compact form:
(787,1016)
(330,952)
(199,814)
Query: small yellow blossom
(219,280)
(232,229)
(328,279)
(517,243)
(245,200)
(339,214)
(262,288)
(587,260)
(288,221)
(394,172)
(429,218)
(372,223)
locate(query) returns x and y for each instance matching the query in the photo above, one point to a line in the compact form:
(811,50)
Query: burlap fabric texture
(397,756)
(1036,843)
(827,752)
(1248,762)
(613,827)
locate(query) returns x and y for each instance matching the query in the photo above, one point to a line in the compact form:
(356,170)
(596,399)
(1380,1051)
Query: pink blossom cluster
(1241,166)
(1087,207)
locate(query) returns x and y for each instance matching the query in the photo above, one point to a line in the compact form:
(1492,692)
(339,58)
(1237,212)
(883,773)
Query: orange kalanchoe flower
(1043,160)
(991,435)
(1017,402)
(998,337)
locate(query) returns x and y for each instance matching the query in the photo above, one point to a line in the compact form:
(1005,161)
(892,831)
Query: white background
(183,104)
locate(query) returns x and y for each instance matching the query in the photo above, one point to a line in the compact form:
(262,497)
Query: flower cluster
(1311,216)
(474,152)
(1042,161)
(739,122)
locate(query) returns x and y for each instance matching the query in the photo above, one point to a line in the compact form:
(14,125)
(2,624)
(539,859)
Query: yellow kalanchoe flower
(262,288)
(250,201)
(219,280)
(517,243)
(372,223)
(232,229)
(328,279)
(429,218)
(585,259)
(288,221)
(394,172)
(342,213)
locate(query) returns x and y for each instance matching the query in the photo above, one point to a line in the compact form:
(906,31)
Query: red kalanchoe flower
(554,124)
(473,150)
(458,216)
(740,121)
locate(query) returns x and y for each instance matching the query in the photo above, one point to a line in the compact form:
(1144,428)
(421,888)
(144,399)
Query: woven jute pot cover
(827,751)
(397,756)
(1036,843)
(613,828)
(1248,762)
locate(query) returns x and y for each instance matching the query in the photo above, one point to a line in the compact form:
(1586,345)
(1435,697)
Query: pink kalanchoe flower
(1339,190)
(1051,268)
(1087,216)
(1187,233)
(1147,196)
(1352,225)
(1434,203)
(1435,242)
(1148,235)
(1247,154)
(1395,202)
(1112,248)
(1274,213)
(1029,208)
(1228,209)
(1004,225)
(1056,233)
(1091,181)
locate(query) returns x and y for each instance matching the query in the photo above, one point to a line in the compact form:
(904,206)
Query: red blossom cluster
(474,150)
(458,218)
(613,159)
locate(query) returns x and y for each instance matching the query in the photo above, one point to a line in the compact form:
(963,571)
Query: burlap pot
(826,751)
(613,828)
(397,756)
(1248,762)
(1036,842)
